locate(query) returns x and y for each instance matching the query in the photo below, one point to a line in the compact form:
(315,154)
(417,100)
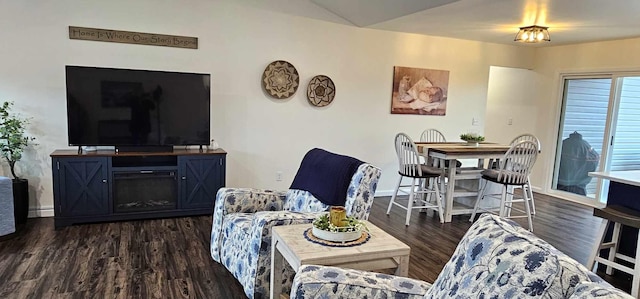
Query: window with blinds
(585,110)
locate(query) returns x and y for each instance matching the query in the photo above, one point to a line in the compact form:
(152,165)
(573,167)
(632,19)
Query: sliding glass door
(598,131)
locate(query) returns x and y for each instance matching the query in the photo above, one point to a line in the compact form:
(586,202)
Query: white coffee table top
(380,245)
(381,251)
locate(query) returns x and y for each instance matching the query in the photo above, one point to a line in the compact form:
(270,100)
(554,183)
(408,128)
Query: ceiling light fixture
(533,34)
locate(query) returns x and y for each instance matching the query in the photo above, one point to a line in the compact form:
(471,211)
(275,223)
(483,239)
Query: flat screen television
(137,108)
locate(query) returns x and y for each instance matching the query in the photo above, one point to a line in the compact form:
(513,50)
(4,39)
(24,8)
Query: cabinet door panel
(84,189)
(201,177)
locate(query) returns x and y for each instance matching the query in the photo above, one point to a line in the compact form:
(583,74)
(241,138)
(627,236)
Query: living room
(266,138)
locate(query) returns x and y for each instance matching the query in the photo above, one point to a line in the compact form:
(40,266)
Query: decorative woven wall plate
(280,79)
(321,91)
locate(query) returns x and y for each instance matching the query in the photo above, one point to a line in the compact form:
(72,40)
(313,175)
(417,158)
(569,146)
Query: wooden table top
(381,244)
(462,148)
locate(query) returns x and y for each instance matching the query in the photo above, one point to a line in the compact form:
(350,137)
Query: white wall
(550,63)
(512,94)
(261,135)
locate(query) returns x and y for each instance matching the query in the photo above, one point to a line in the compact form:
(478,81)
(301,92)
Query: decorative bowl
(472,143)
(336,236)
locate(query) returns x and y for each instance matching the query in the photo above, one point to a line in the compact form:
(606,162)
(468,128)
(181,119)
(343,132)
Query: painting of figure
(419,91)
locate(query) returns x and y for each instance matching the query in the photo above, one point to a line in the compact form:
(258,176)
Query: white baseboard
(46,211)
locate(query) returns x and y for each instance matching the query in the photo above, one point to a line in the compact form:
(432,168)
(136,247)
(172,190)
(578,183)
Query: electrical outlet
(278,176)
(510,121)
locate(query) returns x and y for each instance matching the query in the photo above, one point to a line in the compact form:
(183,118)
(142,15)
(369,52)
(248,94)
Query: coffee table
(382,251)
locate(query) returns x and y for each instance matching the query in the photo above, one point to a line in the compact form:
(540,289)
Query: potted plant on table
(336,226)
(472,138)
(13,140)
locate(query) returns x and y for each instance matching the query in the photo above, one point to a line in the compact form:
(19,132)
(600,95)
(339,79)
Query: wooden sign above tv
(129,37)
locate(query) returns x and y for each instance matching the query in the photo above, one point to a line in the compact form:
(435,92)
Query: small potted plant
(472,138)
(350,229)
(13,140)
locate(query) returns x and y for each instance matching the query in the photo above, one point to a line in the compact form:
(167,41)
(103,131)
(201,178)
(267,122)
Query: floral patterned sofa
(496,258)
(243,218)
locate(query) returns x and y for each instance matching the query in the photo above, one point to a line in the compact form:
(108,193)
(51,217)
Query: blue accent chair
(496,258)
(243,218)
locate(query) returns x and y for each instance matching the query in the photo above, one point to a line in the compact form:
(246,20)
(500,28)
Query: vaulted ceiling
(496,21)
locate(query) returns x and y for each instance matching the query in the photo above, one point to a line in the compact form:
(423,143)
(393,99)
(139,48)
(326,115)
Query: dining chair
(513,170)
(527,186)
(423,179)
(432,135)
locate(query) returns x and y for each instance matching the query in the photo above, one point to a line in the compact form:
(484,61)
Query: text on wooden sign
(117,36)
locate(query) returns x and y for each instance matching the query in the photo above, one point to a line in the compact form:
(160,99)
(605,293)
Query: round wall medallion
(280,79)
(321,91)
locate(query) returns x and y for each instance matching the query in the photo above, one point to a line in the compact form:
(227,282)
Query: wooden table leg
(439,163)
(403,266)
(448,207)
(276,270)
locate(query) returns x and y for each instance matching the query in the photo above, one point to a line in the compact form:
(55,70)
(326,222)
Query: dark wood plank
(113,153)
(169,258)
(164,258)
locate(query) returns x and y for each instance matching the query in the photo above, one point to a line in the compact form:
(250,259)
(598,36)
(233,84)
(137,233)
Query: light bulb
(532,34)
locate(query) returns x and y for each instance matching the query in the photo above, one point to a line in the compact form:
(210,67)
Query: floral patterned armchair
(243,218)
(495,259)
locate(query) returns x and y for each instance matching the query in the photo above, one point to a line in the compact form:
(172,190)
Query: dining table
(438,153)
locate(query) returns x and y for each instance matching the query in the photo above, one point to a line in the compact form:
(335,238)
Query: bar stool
(619,216)
(513,170)
(419,174)
(527,187)
(432,135)
(435,136)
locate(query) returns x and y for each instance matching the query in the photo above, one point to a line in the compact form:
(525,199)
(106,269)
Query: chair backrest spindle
(432,135)
(527,136)
(516,164)
(408,157)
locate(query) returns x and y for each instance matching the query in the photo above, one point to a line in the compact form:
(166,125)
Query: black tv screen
(121,107)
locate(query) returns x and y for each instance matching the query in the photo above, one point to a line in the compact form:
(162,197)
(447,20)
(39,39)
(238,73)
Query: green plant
(472,137)
(352,224)
(12,136)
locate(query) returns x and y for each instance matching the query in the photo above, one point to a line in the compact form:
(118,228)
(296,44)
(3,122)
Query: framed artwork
(419,91)
(119,94)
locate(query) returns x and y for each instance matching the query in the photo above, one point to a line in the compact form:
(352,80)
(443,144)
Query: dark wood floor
(169,258)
